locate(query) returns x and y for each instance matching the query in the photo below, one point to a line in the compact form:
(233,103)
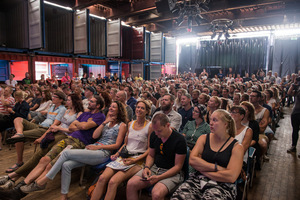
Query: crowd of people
(145,129)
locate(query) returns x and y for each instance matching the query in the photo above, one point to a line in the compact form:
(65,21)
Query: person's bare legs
(18,122)
(117,179)
(38,170)
(134,185)
(102,183)
(159,191)
(43,179)
(20,149)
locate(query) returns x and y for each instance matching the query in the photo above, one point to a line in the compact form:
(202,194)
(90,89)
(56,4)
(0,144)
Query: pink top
(65,79)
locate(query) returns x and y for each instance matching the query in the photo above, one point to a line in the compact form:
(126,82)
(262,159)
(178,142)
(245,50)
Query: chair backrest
(185,167)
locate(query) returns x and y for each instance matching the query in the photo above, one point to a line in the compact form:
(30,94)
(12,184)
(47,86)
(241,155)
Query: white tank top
(137,140)
(260,115)
(240,138)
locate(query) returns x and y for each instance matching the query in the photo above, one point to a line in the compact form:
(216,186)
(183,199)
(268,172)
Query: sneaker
(8,185)
(292,149)
(20,184)
(32,187)
(4,179)
(266,158)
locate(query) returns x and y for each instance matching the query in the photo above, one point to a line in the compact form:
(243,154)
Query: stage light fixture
(213,35)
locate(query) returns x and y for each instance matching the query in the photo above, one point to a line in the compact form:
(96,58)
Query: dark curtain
(187,58)
(286,56)
(246,54)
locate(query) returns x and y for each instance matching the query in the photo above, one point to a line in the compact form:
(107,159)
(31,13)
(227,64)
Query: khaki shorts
(171,183)
(33,131)
(54,153)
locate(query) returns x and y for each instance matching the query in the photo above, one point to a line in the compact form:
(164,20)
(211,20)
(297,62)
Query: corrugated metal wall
(17,26)
(59,34)
(170,50)
(97,34)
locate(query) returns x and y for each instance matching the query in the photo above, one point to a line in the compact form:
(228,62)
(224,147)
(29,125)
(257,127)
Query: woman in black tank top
(218,159)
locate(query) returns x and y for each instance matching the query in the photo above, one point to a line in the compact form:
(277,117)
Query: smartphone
(144,179)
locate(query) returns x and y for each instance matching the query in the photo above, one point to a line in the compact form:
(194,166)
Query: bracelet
(216,167)
(146,167)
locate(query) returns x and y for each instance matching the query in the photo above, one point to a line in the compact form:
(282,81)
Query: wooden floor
(278,179)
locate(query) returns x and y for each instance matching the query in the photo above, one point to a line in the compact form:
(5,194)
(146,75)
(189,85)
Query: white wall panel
(156,46)
(80,32)
(35,24)
(114,38)
(170,50)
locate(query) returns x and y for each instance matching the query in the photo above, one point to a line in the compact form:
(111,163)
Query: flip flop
(12,169)
(13,140)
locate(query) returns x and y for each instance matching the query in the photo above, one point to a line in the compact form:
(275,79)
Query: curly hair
(107,98)
(122,113)
(76,102)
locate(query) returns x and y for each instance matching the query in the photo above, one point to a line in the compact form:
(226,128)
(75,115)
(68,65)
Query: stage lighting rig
(221,27)
(189,10)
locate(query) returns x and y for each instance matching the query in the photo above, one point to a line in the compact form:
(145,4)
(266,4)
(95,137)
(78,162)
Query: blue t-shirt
(85,136)
(52,115)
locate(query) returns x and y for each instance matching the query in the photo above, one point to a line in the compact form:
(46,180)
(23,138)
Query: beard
(166,107)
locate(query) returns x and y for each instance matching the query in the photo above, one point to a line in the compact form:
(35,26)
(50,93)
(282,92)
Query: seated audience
(126,163)
(164,162)
(53,135)
(111,132)
(218,159)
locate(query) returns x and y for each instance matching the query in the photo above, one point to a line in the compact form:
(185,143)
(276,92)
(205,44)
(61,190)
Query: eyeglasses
(195,111)
(234,113)
(161,148)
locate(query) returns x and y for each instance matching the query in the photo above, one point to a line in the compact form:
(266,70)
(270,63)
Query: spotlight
(227,35)
(204,7)
(199,19)
(220,35)
(179,19)
(190,22)
(213,35)
(231,27)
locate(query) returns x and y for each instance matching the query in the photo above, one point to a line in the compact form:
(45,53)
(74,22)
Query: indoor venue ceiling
(247,15)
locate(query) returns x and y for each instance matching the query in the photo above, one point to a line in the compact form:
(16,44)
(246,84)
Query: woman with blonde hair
(217,158)
(21,109)
(177,103)
(213,104)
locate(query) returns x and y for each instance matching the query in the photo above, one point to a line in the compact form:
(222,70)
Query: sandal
(13,140)
(14,168)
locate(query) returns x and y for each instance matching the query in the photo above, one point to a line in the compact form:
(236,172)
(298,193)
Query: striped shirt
(3,109)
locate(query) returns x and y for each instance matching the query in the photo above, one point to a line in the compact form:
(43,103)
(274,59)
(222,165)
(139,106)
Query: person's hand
(153,179)
(128,161)
(146,173)
(9,110)
(115,156)
(44,112)
(92,147)
(38,141)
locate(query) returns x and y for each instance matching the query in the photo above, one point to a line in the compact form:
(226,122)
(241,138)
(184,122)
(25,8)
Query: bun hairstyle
(226,117)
